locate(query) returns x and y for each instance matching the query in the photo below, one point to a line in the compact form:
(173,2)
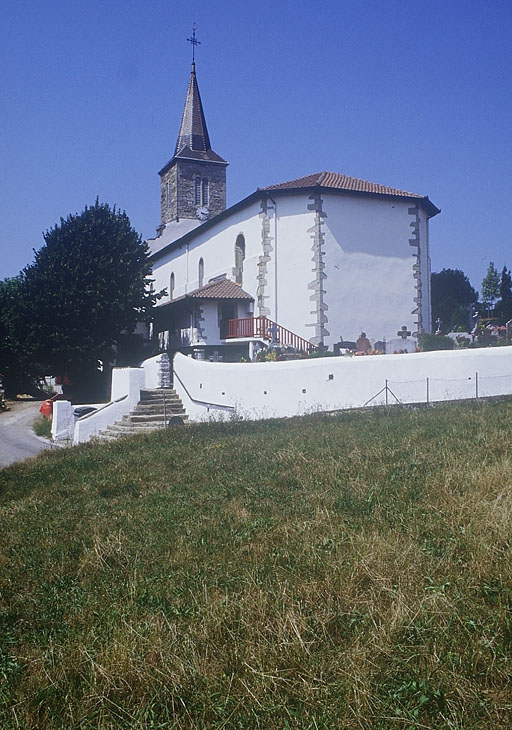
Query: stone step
(128,424)
(120,428)
(153,417)
(158,401)
(156,393)
(153,412)
(157,407)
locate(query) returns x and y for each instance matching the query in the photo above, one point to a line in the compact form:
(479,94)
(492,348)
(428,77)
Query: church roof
(337,181)
(187,153)
(193,141)
(193,130)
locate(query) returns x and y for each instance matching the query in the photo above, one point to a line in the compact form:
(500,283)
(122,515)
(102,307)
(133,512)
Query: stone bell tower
(193,182)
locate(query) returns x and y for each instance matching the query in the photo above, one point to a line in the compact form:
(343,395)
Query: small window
(198,191)
(239,258)
(201,272)
(167,195)
(171,286)
(205,191)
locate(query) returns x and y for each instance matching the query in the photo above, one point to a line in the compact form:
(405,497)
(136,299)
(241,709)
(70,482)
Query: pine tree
(505,305)
(491,286)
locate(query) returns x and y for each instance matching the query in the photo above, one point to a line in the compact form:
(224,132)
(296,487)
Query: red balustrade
(266,329)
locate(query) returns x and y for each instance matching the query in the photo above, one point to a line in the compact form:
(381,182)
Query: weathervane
(194,42)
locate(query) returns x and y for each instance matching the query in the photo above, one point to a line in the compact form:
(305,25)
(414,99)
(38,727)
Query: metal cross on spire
(194,42)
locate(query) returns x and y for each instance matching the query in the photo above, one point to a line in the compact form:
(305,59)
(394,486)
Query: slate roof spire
(193,130)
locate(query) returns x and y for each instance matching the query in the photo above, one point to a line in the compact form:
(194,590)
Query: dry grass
(326,572)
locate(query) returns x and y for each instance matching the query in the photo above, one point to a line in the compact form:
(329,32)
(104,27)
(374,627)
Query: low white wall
(153,372)
(63,420)
(125,394)
(265,390)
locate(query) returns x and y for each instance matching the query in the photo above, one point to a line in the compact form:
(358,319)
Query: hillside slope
(348,571)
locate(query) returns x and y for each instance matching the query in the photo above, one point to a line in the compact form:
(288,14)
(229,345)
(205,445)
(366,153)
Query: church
(302,264)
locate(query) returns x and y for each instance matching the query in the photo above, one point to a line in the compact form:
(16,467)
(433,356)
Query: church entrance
(227,311)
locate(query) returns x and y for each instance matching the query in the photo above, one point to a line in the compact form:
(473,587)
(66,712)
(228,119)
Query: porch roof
(224,289)
(215,291)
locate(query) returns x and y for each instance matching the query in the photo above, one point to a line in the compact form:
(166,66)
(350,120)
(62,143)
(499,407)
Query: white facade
(326,264)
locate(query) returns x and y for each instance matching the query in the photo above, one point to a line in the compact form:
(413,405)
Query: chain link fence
(435,390)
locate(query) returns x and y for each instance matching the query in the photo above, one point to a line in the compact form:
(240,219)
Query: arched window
(201,272)
(197,190)
(171,286)
(239,258)
(167,195)
(205,191)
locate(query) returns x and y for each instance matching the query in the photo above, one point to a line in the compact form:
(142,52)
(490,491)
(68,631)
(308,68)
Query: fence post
(387,391)
(476,385)
(428,393)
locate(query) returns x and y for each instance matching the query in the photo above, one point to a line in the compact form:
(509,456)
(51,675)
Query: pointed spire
(193,130)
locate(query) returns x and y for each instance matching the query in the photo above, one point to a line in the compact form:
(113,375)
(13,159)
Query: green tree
(19,374)
(491,286)
(452,298)
(88,284)
(505,305)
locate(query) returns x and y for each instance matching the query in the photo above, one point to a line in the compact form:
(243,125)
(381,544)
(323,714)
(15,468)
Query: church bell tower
(193,182)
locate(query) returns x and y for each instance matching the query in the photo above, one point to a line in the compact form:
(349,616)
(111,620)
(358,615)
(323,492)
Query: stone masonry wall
(181,180)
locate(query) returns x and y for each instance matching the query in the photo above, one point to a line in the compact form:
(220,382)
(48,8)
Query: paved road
(17,439)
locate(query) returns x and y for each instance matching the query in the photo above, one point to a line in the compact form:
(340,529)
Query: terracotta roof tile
(224,289)
(337,181)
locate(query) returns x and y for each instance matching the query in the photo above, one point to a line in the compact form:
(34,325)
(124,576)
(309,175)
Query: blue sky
(413,95)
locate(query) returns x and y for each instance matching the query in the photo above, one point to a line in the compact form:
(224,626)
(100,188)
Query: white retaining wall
(279,389)
(125,394)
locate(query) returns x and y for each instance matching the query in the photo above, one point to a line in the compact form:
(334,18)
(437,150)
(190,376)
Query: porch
(265,330)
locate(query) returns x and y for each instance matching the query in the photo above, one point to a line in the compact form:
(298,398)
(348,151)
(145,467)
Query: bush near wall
(430,343)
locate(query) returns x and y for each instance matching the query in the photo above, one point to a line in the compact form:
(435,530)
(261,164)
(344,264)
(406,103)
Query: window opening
(239,258)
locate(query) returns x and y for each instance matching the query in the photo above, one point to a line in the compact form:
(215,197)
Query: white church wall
(216,246)
(292,254)
(370,284)
(282,389)
(209,334)
(369,267)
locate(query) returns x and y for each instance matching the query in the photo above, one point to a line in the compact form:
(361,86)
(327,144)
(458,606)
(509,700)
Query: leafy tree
(88,284)
(491,286)
(505,305)
(18,373)
(452,297)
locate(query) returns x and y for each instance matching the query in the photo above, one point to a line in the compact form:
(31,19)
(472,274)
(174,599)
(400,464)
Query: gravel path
(17,439)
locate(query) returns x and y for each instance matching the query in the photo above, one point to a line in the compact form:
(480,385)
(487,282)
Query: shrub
(429,343)
(43,427)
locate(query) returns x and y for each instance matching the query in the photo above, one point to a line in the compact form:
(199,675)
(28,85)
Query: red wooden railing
(268,330)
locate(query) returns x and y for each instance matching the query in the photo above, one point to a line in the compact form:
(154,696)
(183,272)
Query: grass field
(349,571)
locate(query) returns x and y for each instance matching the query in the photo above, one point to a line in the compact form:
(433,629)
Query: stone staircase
(154,410)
